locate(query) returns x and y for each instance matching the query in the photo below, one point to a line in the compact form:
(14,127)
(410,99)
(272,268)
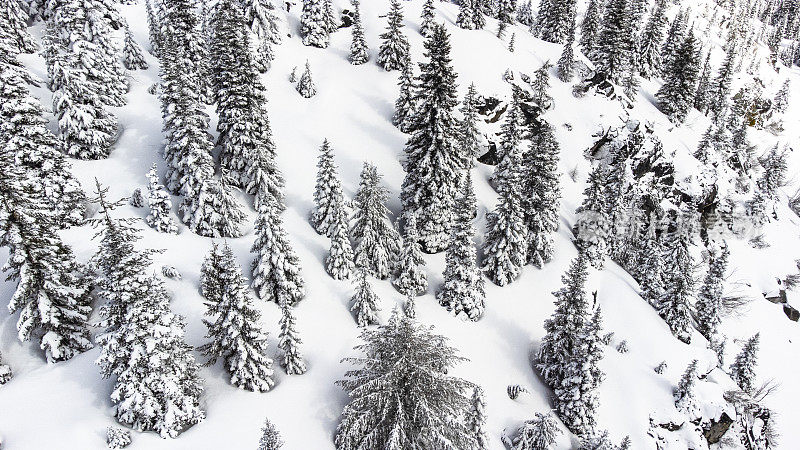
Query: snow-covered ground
(67,405)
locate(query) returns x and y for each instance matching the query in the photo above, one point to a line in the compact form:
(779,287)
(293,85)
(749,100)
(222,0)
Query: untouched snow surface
(67,405)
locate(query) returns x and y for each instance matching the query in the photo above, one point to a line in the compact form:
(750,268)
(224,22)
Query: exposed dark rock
(791,312)
(717,428)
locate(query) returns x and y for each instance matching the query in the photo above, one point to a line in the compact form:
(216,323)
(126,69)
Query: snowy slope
(67,405)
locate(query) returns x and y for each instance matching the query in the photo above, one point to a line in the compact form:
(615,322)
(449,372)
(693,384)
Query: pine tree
(160,205)
(540,194)
(182,28)
(674,305)
(611,53)
(743,368)
(314,26)
(774,175)
(567,60)
(330,19)
(540,86)
(462,292)
(553,19)
(539,433)
(676,96)
(305,86)
(478,18)
(676,36)
(685,392)
(377,241)
(263,178)
(14,21)
(505,247)
(364,302)
(394,50)
(564,357)
(276,269)
(51,293)
(476,418)
(289,343)
(263,23)
(781,100)
(339,262)
(270,437)
(411,279)
(465,15)
(328,197)
(212,210)
(701,94)
(709,299)
(721,86)
(404,105)
(132,55)
(401,395)
(590,26)
(428,13)
(469,134)
(359,53)
(433,159)
(525,14)
(508,150)
(234,331)
(650,263)
(593,226)
(154,29)
(650,42)
(409,310)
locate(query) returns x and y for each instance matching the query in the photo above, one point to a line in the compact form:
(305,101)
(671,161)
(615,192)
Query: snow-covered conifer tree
(590,26)
(270,437)
(676,35)
(743,368)
(721,86)
(541,194)
(305,85)
(154,29)
(781,100)
(611,52)
(411,279)
(674,305)
(160,205)
(676,95)
(703,83)
(428,13)
(593,226)
(404,105)
(331,20)
(14,22)
(401,393)
(478,18)
(377,241)
(538,433)
(289,343)
(394,48)
(476,418)
(567,59)
(132,55)
(339,262)
(469,134)
(314,27)
(263,23)
(465,15)
(649,51)
(234,330)
(508,150)
(364,302)
(276,269)
(553,19)
(685,392)
(540,86)
(359,53)
(709,299)
(328,197)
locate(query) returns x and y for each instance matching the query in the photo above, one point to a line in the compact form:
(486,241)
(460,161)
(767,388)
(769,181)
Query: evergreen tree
(339,262)
(676,96)
(432,158)
(331,21)
(685,392)
(611,53)
(314,26)
(276,269)
(328,197)
(506,236)
(676,36)
(51,293)
(525,14)
(590,26)
(14,23)
(650,263)
(212,210)
(774,175)
(540,194)
(743,368)
(428,13)
(263,23)
(567,59)
(411,279)
(289,342)
(536,434)
(721,86)
(409,310)
(469,134)
(160,205)
(478,18)
(508,150)
(701,94)
(593,225)
(401,395)
(553,19)
(235,334)
(511,42)
(404,105)
(462,292)
(476,418)
(132,55)
(541,85)
(359,53)
(270,437)
(263,178)
(465,15)
(305,86)
(709,299)
(154,29)
(394,50)
(5,372)
(377,241)
(364,302)
(781,100)
(181,28)
(564,357)
(650,42)
(674,305)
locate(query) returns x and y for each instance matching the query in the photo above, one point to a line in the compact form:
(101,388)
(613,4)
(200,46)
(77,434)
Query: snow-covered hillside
(67,405)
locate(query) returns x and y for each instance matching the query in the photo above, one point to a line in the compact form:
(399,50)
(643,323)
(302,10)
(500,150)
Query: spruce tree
(160,205)
(773,176)
(538,433)
(685,395)
(505,247)
(469,134)
(567,60)
(781,101)
(540,194)
(14,22)
(525,14)
(676,35)
(709,299)
(650,263)
(404,105)
(410,278)
(565,359)
(339,262)
(180,29)
(276,269)
(674,304)
(540,86)
(611,53)
(553,19)
(394,50)
(401,395)
(590,26)
(478,18)
(377,241)
(364,302)
(234,332)
(328,197)
(305,85)
(263,23)
(51,293)
(463,291)
(289,343)
(330,20)
(720,88)
(428,13)
(154,29)
(270,437)
(743,368)
(593,226)
(433,160)
(132,55)
(650,42)
(465,15)
(676,96)
(508,150)
(359,53)
(476,418)
(263,178)
(313,24)
(701,94)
